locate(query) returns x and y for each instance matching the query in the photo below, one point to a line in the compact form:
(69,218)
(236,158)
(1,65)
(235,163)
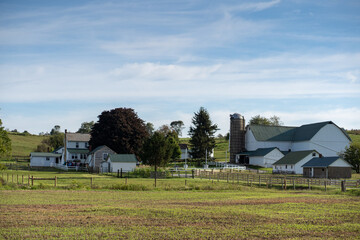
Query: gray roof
(122,158)
(45,154)
(259,152)
(293,157)
(100,147)
(321,162)
(294,134)
(78,137)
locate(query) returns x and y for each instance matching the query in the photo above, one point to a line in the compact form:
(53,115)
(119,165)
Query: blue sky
(64,62)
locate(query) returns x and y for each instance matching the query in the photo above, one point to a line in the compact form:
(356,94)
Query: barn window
(314,154)
(285,166)
(323,169)
(47,159)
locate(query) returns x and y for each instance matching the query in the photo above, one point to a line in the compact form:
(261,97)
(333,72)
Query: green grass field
(24,145)
(355,138)
(232,214)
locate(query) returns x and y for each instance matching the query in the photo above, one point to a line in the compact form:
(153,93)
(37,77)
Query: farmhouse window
(72,156)
(105,155)
(77,145)
(285,166)
(314,154)
(47,159)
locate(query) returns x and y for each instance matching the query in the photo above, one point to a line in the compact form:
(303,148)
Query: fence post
(17,178)
(32,180)
(193,173)
(309,184)
(294,183)
(227,177)
(118,173)
(55,181)
(28,180)
(12,177)
(126,180)
(91,182)
(22,181)
(343,186)
(284,183)
(325,185)
(259,180)
(247,176)
(185,182)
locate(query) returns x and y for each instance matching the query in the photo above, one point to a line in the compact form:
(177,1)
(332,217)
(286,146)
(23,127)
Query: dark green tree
(177,126)
(202,134)
(51,143)
(5,142)
(352,156)
(86,127)
(159,149)
(121,130)
(150,128)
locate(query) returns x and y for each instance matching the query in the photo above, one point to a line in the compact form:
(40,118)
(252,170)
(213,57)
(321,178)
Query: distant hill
(23,145)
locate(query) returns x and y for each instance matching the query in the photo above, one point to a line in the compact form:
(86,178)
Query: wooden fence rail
(270,180)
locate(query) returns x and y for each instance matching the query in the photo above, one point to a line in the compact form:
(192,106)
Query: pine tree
(202,134)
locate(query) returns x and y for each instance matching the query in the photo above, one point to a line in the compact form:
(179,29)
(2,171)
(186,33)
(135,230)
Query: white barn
(324,137)
(264,157)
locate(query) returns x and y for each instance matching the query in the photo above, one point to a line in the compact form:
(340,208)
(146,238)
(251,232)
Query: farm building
(97,156)
(264,157)
(324,137)
(327,167)
(44,159)
(292,162)
(119,162)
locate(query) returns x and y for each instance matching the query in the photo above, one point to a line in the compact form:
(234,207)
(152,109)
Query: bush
(2,167)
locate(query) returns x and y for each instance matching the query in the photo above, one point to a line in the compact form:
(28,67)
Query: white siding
(42,162)
(267,160)
(71,144)
(329,141)
(126,167)
(296,167)
(340,163)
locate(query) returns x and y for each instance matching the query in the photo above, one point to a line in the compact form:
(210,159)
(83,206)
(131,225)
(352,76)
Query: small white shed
(44,159)
(121,162)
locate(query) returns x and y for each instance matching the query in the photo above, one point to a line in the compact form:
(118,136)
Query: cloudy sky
(64,62)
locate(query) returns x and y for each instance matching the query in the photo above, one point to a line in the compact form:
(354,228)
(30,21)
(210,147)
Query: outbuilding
(97,156)
(44,159)
(292,162)
(327,167)
(119,162)
(264,157)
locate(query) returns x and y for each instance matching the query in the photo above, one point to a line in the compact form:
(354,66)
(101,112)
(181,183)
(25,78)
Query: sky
(65,62)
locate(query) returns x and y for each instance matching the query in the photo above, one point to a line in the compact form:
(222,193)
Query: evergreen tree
(352,156)
(202,134)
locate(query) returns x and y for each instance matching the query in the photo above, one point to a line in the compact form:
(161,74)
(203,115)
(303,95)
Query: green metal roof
(122,158)
(294,134)
(259,152)
(45,154)
(293,157)
(78,151)
(321,162)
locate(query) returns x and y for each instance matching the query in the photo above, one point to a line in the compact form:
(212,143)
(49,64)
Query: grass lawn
(241,214)
(355,138)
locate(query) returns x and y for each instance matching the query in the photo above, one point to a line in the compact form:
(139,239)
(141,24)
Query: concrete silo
(237,137)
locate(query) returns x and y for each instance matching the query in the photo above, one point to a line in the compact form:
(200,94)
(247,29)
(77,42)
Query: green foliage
(202,134)
(272,121)
(159,149)
(2,167)
(121,130)
(51,143)
(86,127)
(55,130)
(352,156)
(5,142)
(177,126)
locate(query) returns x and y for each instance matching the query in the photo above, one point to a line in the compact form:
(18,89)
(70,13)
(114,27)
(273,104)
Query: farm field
(24,145)
(232,214)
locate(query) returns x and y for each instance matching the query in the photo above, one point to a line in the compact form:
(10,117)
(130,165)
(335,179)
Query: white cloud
(255,6)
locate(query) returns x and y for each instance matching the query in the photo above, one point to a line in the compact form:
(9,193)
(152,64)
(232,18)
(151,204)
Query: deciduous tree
(86,127)
(352,156)
(5,142)
(121,130)
(202,134)
(272,121)
(177,126)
